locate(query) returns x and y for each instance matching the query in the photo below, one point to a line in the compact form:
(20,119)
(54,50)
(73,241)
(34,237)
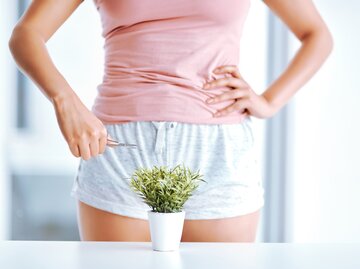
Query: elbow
(19,37)
(322,37)
(327,41)
(11,42)
(14,40)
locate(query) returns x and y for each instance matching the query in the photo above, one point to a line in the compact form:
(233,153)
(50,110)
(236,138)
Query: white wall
(327,131)
(7,89)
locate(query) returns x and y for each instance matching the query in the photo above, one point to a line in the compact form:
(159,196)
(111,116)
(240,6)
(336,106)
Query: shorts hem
(225,214)
(134,212)
(111,207)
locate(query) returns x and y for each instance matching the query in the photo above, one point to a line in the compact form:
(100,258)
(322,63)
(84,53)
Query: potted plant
(165,190)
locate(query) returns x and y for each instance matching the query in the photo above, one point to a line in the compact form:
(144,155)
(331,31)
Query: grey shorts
(223,154)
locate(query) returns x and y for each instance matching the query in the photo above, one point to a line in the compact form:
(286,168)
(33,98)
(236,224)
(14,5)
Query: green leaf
(165,189)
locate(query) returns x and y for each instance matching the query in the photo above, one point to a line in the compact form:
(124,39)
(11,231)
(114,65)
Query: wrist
(62,97)
(273,107)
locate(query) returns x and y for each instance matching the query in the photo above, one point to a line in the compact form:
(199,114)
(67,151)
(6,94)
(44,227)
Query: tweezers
(112,142)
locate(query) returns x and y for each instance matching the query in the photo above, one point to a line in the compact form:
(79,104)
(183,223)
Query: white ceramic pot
(166,230)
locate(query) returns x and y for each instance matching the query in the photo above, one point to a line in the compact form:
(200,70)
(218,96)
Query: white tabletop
(99,255)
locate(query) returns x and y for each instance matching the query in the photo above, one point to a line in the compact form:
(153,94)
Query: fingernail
(206,86)
(217,114)
(209,100)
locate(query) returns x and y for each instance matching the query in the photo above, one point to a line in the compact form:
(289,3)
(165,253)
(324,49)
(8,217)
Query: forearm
(31,55)
(312,54)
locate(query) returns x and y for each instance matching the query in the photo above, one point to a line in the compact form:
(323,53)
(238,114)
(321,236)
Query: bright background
(309,151)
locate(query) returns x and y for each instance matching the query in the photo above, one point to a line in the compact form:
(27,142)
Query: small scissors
(114,143)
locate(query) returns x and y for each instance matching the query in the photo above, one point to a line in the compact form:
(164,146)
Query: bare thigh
(236,229)
(98,225)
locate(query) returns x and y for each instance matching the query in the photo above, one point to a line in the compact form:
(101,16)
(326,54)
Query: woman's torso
(159,53)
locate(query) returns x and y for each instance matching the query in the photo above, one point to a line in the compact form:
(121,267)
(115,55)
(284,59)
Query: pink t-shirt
(158,55)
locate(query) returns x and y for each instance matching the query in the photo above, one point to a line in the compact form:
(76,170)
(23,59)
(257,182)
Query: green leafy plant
(165,190)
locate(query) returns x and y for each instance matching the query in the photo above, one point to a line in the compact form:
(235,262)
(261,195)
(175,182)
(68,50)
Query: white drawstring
(161,127)
(159,141)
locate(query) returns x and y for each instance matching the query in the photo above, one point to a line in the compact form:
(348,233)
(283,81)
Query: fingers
(74,149)
(241,91)
(232,69)
(240,106)
(234,81)
(230,95)
(102,144)
(228,81)
(89,145)
(85,149)
(94,146)
(98,142)
(102,140)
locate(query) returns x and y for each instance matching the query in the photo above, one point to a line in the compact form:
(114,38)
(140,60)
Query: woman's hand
(245,99)
(84,133)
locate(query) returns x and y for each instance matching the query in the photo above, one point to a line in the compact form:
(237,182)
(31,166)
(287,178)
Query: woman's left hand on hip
(245,99)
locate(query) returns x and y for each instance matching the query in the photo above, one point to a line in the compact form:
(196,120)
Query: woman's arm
(84,133)
(305,22)
(27,44)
